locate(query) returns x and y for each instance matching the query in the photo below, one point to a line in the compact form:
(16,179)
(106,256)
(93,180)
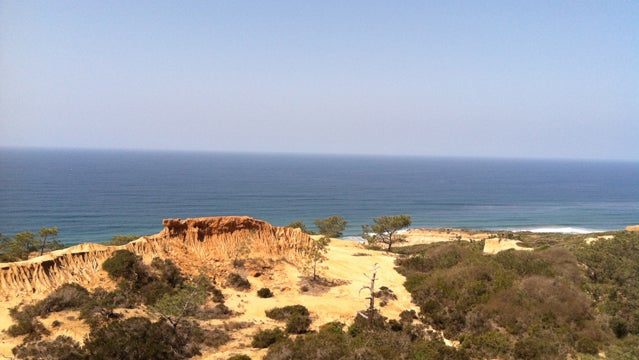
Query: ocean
(92,195)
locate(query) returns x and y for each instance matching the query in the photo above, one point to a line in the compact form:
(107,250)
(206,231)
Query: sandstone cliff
(193,244)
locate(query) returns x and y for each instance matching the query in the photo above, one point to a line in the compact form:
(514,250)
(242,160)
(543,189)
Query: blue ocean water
(92,195)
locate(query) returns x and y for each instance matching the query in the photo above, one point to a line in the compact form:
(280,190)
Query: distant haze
(532,79)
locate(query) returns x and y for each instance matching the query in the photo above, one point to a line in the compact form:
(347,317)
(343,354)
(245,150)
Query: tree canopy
(22,244)
(332,226)
(385,230)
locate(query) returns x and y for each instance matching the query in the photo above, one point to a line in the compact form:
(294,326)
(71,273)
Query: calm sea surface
(93,195)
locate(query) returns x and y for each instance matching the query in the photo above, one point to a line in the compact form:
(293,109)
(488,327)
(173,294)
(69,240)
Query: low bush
(384,294)
(167,271)
(101,305)
(239,357)
(203,282)
(238,282)
(265,293)
(331,342)
(62,348)
(67,296)
(284,313)
(265,338)
(26,323)
(219,311)
(298,324)
(139,338)
(154,291)
(121,264)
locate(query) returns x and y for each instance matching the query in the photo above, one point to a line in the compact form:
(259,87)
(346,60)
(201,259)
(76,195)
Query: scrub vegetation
(569,298)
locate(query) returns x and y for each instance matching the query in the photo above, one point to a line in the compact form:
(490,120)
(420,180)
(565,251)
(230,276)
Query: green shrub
(203,282)
(619,327)
(26,323)
(211,338)
(169,273)
(62,348)
(333,326)
(407,316)
(238,282)
(333,343)
(67,296)
(219,311)
(239,357)
(154,291)
(488,345)
(265,338)
(538,348)
(384,294)
(139,338)
(265,293)
(121,264)
(217,296)
(100,307)
(613,274)
(298,324)
(284,313)
(587,346)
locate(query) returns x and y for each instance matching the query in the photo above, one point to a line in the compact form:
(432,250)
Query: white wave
(558,229)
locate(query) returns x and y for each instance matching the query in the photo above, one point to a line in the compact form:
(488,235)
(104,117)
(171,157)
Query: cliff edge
(209,243)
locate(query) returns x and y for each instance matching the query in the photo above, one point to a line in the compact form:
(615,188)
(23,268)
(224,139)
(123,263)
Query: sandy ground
(347,264)
(429,236)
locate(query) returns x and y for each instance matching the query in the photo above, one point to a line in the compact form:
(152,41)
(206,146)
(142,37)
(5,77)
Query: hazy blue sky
(550,79)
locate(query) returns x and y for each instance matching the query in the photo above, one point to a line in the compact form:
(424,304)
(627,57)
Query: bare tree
(371,311)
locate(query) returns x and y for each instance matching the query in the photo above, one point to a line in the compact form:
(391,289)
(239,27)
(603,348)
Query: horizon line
(316,154)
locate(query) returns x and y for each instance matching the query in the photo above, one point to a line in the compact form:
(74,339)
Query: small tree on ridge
(385,230)
(331,226)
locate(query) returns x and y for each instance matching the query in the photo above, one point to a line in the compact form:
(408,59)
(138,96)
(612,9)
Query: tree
(300,225)
(385,230)
(52,235)
(317,255)
(331,226)
(18,247)
(23,244)
(175,307)
(371,311)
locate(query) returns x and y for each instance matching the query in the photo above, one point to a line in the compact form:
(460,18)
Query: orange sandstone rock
(193,244)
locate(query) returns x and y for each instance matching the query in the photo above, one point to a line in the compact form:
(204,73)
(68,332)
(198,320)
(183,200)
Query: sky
(513,79)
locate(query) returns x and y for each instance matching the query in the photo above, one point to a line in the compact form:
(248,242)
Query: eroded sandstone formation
(193,244)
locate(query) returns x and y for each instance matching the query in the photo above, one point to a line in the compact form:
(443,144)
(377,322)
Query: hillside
(275,261)
(445,294)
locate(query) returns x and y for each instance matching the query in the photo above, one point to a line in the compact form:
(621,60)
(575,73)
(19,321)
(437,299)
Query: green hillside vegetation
(565,298)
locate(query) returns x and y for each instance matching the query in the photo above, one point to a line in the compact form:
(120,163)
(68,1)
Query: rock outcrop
(632,228)
(193,244)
